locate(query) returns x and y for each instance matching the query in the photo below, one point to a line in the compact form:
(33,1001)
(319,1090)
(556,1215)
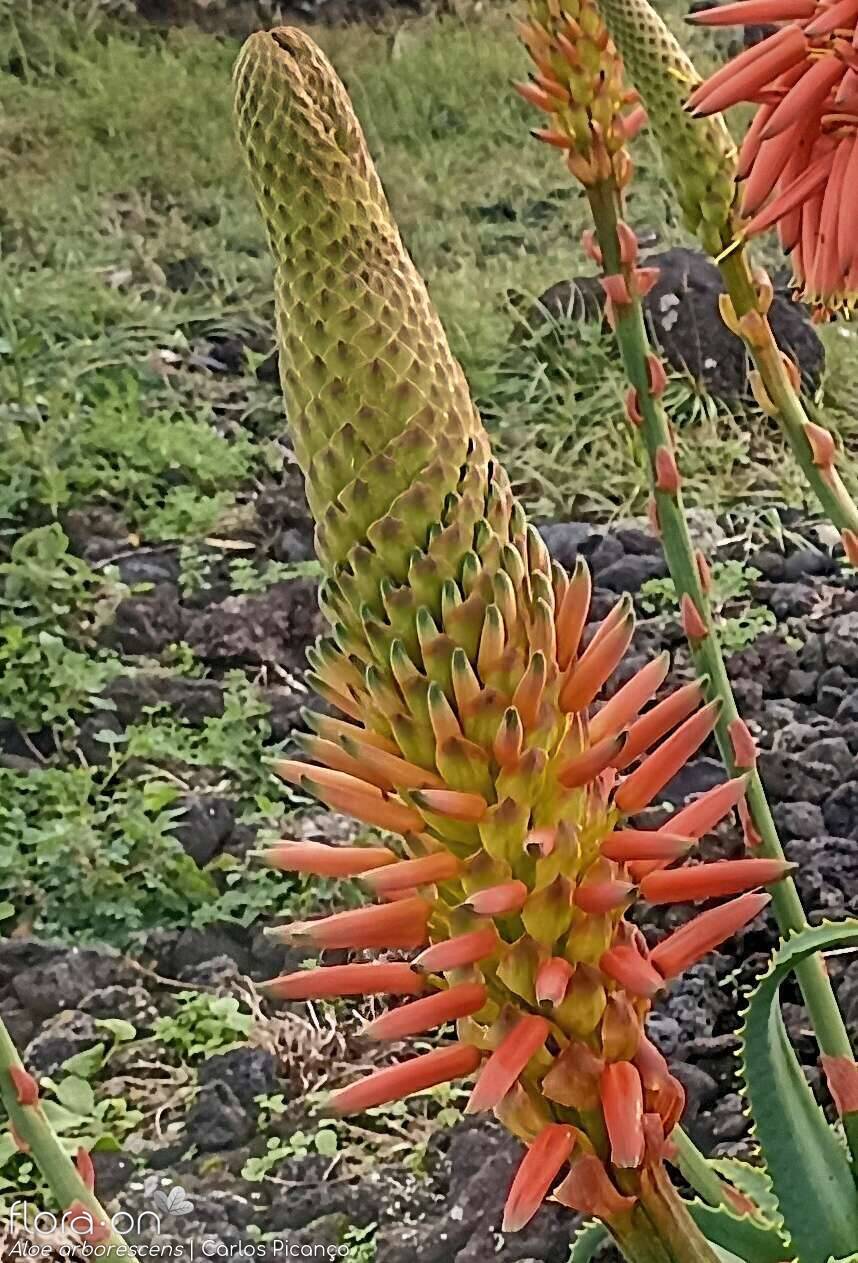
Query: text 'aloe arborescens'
(472,719)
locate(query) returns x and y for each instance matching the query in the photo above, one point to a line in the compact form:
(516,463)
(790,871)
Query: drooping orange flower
(799,159)
(520,868)
(470,694)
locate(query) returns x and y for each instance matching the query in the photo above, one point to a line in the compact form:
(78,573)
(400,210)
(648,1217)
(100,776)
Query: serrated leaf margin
(725,1227)
(588,1239)
(808,1234)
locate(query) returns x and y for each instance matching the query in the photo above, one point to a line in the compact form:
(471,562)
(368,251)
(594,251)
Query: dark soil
(799,692)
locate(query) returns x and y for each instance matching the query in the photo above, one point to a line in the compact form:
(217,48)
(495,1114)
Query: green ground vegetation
(129,246)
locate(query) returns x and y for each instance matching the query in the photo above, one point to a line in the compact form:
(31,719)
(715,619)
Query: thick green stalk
(679,552)
(81,1208)
(665,1209)
(756,332)
(640,1241)
(701,161)
(659,1229)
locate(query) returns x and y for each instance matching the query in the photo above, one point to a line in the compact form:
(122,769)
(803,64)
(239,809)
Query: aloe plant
(796,1140)
(458,658)
(474,721)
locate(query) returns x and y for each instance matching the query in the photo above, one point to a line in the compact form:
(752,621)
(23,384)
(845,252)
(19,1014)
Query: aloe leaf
(808,1166)
(754,1182)
(588,1239)
(745,1235)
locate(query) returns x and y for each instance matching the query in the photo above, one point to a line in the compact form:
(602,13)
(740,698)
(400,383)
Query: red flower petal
(507,1062)
(536,1174)
(622,1103)
(699,937)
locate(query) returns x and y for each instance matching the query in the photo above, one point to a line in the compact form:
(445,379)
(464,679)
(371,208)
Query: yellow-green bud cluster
(699,152)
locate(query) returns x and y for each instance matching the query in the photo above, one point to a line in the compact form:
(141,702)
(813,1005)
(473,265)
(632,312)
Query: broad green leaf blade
(588,1239)
(808,1166)
(742,1234)
(77,1095)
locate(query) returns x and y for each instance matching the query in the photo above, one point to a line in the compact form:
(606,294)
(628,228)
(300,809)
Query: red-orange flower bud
(537,1172)
(552,979)
(507,1062)
(373,978)
(458,952)
(712,881)
(704,933)
(497,901)
(424,1015)
(416,1075)
(322,860)
(622,1104)
(635,974)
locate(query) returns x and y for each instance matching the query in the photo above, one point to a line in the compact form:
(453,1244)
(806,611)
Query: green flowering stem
(705,648)
(755,330)
(698,1171)
(639,1240)
(659,1229)
(665,1209)
(70,1183)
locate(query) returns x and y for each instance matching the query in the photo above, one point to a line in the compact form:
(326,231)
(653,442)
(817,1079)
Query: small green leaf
(588,1240)
(808,1165)
(7,910)
(76,1094)
(85,1064)
(62,1120)
(122,1032)
(326,1142)
(740,1233)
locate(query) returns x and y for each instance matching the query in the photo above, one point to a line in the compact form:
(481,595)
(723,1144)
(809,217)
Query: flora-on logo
(174,1202)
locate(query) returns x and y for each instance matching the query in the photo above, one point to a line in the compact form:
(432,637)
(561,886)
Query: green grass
(129,242)
(122,181)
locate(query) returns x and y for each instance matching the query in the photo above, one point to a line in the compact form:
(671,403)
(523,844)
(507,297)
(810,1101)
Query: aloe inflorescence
(799,159)
(475,720)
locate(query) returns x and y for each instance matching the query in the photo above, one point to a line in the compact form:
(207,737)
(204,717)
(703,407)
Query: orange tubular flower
(518,870)
(478,719)
(800,155)
(578,84)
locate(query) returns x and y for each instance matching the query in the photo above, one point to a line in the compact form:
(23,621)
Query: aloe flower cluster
(578,83)
(799,159)
(474,718)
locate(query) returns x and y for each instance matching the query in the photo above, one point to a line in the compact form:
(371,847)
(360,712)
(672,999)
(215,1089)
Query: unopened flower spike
(699,152)
(579,84)
(473,720)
